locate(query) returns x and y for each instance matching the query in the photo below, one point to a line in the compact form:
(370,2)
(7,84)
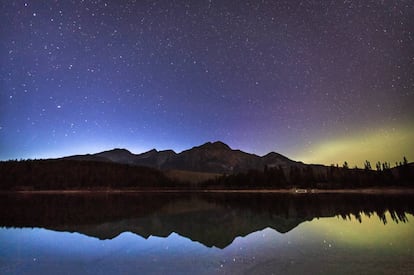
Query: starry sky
(318,81)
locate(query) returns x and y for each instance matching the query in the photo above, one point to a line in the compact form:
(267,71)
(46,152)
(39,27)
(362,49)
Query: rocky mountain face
(117,155)
(215,157)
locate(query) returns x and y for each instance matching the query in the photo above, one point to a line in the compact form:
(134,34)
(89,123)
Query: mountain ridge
(211,157)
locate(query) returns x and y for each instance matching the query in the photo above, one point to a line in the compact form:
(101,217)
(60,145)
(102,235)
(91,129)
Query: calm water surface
(206,234)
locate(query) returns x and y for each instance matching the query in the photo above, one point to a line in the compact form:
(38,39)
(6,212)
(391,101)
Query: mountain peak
(218,145)
(116,151)
(274,155)
(169,151)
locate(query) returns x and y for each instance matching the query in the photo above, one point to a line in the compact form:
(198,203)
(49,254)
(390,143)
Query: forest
(72,174)
(26,175)
(332,177)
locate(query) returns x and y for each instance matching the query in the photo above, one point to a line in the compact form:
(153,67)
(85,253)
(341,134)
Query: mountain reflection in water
(206,233)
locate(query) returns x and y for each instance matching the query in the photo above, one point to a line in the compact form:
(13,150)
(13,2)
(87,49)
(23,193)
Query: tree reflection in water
(213,219)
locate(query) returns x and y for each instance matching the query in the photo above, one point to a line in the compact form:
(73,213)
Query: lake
(196,233)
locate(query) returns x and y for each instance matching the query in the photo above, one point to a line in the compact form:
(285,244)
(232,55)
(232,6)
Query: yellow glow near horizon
(381,145)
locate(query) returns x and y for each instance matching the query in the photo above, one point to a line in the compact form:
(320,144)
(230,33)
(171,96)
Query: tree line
(314,176)
(75,174)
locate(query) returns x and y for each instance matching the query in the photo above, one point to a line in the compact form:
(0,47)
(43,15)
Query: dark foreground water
(206,234)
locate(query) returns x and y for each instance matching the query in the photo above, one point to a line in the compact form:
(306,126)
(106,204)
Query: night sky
(318,81)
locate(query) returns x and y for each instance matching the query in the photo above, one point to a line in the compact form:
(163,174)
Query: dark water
(157,233)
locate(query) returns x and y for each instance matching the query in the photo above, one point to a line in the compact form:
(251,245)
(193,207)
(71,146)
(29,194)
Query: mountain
(214,157)
(155,158)
(211,157)
(213,165)
(117,155)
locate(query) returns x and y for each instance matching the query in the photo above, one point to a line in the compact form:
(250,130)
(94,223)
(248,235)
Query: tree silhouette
(405,162)
(367,165)
(378,166)
(345,165)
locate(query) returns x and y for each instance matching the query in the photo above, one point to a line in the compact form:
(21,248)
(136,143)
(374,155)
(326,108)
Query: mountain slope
(155,158)
(117,155)
(211,157)
(214,157)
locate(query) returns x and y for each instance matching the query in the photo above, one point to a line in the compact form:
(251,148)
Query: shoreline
(296,191)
